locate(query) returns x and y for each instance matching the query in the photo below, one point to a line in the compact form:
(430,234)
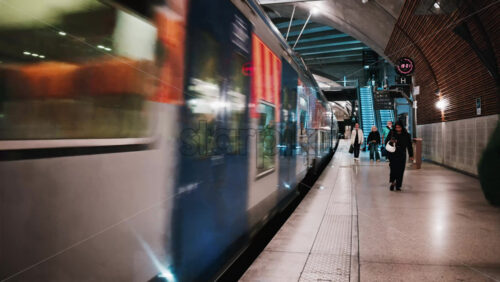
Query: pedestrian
(400,138)
(356,140)
(385,132)
(373,143)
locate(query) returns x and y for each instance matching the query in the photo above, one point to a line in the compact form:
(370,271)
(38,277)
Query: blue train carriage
(248,149)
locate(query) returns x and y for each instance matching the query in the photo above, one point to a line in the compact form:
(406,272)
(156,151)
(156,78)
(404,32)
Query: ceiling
(320,44)
(371,23)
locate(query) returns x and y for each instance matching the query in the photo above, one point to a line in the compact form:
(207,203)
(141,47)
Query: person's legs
(399,174)
(356,150)
(377,155)
(392,175)
(372,151)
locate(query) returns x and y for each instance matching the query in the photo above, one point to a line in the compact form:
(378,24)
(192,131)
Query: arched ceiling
(319,44)
(371,22)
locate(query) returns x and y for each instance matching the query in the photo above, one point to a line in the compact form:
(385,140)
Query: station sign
(403,80)
(405,66)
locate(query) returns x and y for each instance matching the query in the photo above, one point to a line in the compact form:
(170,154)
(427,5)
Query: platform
(350,227)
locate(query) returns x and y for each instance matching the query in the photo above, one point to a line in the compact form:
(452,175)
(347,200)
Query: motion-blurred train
(143,139)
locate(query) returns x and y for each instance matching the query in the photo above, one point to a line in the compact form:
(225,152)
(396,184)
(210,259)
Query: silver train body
(146,140)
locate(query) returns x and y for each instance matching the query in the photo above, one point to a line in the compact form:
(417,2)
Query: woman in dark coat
(373,143)
(402,140)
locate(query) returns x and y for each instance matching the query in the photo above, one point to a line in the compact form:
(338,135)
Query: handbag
(351,149)
(390,148)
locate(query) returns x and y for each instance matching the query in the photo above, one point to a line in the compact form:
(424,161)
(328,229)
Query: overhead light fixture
(314,11)
(41,57)
(100,47)
(34,55)
(26,53)
(367,67)
(436,5)
(62,33)
(441,104)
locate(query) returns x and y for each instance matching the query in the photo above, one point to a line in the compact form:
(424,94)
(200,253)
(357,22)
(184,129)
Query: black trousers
(397,166)
(356,149)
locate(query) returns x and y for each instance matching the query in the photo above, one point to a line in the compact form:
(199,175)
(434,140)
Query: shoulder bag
(390,148)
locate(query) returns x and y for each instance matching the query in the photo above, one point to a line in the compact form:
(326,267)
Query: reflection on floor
(350,227)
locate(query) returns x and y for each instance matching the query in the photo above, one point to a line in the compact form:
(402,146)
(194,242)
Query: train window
(142,7)
(73,70)
(266,139)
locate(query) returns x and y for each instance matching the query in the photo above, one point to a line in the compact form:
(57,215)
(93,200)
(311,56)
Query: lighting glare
(100,47)
(107,49)
(42,57)
(367,67)
(314,11)
(62,33)
(34,55)
(26,53)
(441,104)
(436,5)
(167,275)
(165,271)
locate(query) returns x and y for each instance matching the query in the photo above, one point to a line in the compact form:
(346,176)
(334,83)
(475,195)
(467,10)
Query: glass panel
(266,141)
(74,69)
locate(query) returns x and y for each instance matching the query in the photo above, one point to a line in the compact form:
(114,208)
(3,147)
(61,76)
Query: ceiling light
(436,5)
(441,104)
(367,67)
(100,47)
(62,33)
(26,53)
(42,57)
(107,49)
(34,55)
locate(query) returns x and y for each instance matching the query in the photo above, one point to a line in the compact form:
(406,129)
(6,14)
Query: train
(147,139)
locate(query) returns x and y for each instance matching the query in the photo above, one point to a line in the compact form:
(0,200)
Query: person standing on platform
(373,143)
(356,140)
(385,132)
(400,138)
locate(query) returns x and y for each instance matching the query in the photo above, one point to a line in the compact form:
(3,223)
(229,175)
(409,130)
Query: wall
(446,62)
(458,144)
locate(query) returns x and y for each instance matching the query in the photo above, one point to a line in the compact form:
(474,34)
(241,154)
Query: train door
(210,209)
(288,127)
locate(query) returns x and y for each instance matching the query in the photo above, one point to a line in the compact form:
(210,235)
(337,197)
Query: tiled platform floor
(440,228)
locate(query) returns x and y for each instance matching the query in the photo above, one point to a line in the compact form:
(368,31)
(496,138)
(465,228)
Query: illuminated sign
(247,69)
(405,66)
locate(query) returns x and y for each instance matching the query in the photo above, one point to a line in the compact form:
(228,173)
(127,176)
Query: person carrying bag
(356,141)
(396,144)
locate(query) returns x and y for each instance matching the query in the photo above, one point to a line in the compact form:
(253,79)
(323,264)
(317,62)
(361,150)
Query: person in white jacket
(356,140)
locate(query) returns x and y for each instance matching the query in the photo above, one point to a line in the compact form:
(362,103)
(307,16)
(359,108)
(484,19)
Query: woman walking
(401,139)
(373,143)
(356,140)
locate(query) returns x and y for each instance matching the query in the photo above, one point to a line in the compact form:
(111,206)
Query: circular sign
(405,66)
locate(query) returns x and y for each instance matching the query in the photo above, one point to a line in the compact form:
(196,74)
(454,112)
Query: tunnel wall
(458,144)
(446,62)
